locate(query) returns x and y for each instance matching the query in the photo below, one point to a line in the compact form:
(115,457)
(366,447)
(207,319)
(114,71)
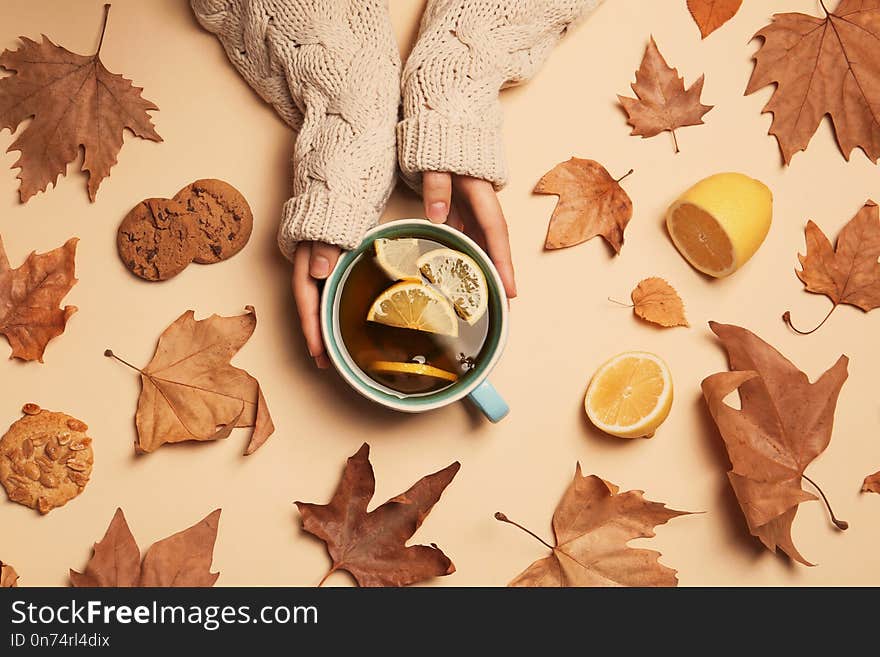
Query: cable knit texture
(331,70)
(467,51)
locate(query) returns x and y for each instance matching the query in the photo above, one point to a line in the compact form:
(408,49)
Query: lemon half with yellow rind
(398,258)
(419,369)
(719,223)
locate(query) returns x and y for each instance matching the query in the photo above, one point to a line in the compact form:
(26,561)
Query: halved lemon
(397,258)
(719,223)
(420,369)
(460,279)
(630,396)
(414,306)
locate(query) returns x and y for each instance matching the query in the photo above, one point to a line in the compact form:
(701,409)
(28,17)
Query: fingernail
(438,211)
(322,362)
(320,267)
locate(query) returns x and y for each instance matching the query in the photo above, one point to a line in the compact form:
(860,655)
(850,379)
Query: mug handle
(487,399)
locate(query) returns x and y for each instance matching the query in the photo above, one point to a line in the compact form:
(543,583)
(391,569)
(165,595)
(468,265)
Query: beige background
(562,327)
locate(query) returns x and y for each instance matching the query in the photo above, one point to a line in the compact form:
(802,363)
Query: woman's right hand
(312,263)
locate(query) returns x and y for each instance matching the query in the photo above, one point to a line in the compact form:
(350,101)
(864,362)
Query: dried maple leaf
(593,523)
(183,559)
(656,301)
(712,14)
(74,102)
(783,424)
(8,576)
(663,104)
(190,390)
(823,66)
(872,483)
(30,299)
(372,545)
(849,274)
(591,203)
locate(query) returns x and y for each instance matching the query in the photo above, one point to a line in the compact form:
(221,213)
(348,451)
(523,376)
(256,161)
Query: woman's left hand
(471,205)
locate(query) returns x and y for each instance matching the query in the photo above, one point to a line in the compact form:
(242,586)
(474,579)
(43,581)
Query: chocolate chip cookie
(223,219)
(45,459)
(157,239)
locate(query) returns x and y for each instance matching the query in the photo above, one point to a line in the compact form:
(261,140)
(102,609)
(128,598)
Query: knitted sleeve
(466,52)
(331,70)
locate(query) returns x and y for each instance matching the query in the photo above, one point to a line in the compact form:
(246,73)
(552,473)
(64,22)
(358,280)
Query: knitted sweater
(331,70)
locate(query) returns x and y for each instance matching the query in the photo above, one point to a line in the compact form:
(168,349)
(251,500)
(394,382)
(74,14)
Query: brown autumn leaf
(872,483)
(848,274)
(591,203)
(593,524)
(30,299)
(663,104)
(823,66)
(783,424)
(8,576)
(656,301)
(371,545)
(74,102)
(183,559)
(191,391)
(712,14)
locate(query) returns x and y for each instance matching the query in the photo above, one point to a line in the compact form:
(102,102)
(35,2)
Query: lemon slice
(630,396)
(420,369)
(397,258)
(414,306)
(719,223)
(460,279)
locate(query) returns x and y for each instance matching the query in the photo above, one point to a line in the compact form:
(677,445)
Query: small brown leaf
(823,66)
(663,103)
(784,423)
(657,301)
(30,299)
(74,102)
(183,559)
(191,391)
(8,576)
(712,14)
(591,203)
(372,545)
(850,273)
(593,524)
(872,484)
(116,560)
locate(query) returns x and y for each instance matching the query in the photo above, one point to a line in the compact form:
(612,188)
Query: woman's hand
(312,263)
(471,205)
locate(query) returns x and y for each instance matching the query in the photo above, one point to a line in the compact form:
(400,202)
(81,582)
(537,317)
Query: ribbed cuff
(318,215)
(430,143)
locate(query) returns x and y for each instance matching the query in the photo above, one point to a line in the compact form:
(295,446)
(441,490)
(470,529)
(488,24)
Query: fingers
(455,220)
(307,297)
(437,194)
(323,259)
(487,212)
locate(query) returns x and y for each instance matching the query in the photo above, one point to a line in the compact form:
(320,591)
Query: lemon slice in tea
(414,306)
(460,279)
(419,369)
(397,258)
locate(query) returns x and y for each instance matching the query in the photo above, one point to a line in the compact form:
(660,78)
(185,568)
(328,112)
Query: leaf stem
(103,28)
(625,176)
(324,578)
(840,524)
(824,8)
(786,317)
(621,303)
(109,354)
(503,518)
(675,141)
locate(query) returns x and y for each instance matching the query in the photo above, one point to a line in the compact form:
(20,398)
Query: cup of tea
(416,318)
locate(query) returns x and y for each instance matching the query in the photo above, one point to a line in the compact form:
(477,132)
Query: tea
(408,360)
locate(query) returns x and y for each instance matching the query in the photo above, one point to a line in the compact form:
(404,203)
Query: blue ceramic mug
(474,384)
